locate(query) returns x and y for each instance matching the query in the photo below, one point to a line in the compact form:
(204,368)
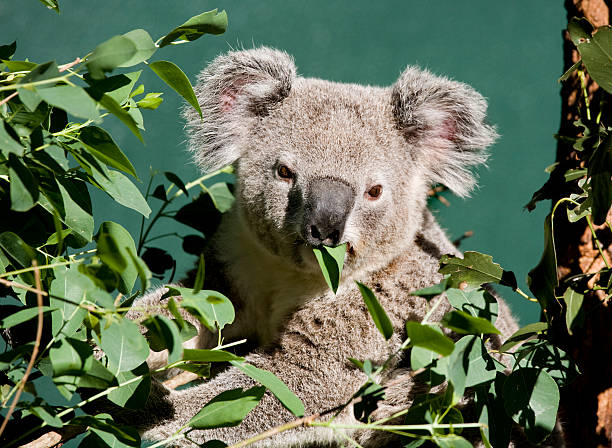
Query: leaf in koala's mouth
(331,261)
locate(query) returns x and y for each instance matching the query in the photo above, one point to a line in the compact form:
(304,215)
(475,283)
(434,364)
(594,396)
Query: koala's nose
(328,205)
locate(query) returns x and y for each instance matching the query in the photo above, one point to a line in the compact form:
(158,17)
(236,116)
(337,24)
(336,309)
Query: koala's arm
(311,357)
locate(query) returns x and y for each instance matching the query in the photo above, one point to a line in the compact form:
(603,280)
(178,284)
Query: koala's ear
(235,88)
(444,121)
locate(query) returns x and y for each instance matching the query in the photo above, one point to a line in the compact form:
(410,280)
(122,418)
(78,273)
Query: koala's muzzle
(328,204)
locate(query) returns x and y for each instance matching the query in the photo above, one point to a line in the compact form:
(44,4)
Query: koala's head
(323,163)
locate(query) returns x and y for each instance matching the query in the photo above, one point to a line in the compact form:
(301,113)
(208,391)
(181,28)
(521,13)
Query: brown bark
(586,405)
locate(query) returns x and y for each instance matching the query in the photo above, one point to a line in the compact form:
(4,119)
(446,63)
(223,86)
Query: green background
(509,51)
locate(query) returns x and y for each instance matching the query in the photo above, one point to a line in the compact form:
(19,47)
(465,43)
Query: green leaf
(109,55)
(71,356)
(109,103)
(73,206)
(68,290)
(150,101)
(164,334)
(51,4)
(280,390)
(133,395)
(176,181)
(18,250)
(451,441)
(580,30)
(99,142)
(72,99)
(565,76)
(542,279)
(468,365)
(531,398)
(176,79)
(477,302)
(7,51)
(490,408)
(228,408)
(600,172)
(204,355)
(427,337)
(211,308)
(200,275)
(49,419)
(122,190)
(103,426)
(595,50)
(24,187)
(145,47)
(522,334)
(473,270)
(221,196)
(22,316)
(573,303)
(209,22)
(542,355)
(114,246)
(331,261)
(9,144)
(432,291)
(123,345)
(464,323)
(379,316)
(144,274)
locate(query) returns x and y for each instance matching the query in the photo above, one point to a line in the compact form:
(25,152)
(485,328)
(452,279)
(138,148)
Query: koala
(323,163)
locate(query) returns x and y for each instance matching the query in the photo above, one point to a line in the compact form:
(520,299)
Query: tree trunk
(586,405)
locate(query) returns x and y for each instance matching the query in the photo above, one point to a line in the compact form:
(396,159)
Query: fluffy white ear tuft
(445,122)
(235,88)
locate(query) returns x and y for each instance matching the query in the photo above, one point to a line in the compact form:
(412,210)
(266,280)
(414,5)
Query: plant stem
(46,266)
(599,248)
(24,379)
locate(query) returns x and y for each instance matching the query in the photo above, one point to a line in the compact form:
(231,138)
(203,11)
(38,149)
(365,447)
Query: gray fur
(258,114)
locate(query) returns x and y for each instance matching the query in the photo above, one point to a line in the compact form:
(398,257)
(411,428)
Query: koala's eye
(284,172)
(374,192)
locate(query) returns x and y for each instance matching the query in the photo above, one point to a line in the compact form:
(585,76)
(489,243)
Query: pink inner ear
(229,95)
(448,129)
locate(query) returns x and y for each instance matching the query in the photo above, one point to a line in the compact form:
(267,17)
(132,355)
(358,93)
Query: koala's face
(322,163)
(328,166)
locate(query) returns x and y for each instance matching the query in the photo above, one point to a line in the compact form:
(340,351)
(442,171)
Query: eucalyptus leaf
(595,50)
(477,302)
(432,291)
(114,246)
(473,270)
(464,323)
(542,279)
(331,261)
(280,390)
(210,22)
(573,303)
(600,172)
(522,334)
(109,55)
(24,187)
(123,345)
(122,190)
(427,337)
(164,334)
(175,78)
(133,395)
(72,99)
(67,293)
(379,316)
(205,355)
(23,316)
(531,398)
(211,308)
(145,47)
(228,408)
(101,144)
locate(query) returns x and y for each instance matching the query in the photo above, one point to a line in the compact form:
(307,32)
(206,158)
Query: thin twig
(8,98)
(12,284)
(24,379)
(304,421)
(69,65)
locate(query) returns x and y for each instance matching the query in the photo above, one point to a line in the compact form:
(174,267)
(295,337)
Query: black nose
(328,205)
